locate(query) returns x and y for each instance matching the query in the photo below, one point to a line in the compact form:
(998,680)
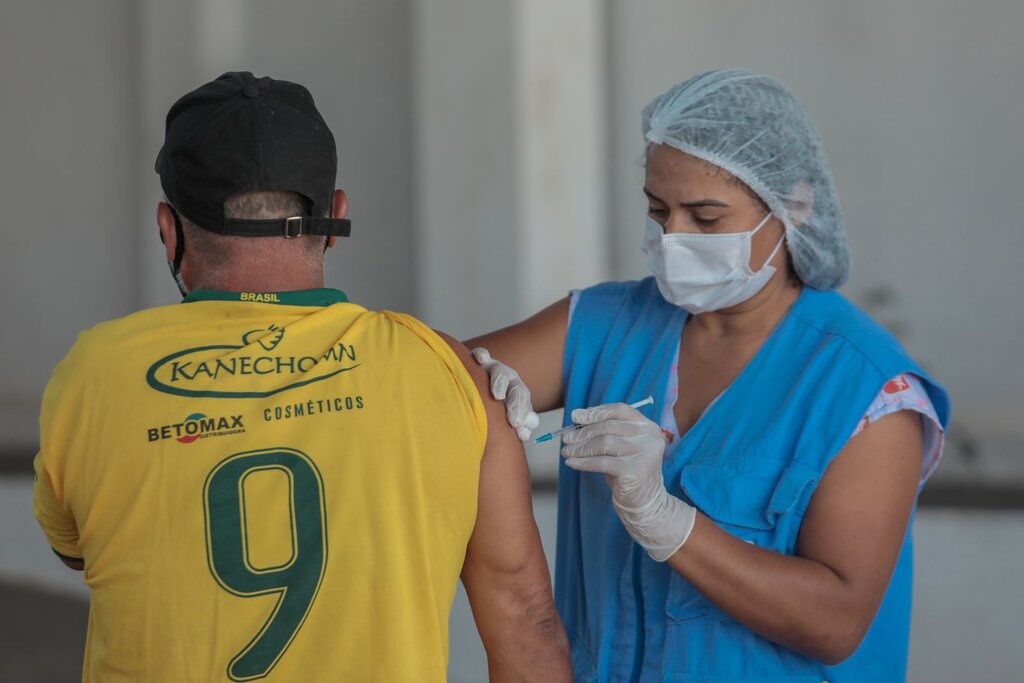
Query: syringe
(551,435)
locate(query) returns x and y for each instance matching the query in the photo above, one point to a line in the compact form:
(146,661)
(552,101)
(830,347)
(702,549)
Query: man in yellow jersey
(267,481)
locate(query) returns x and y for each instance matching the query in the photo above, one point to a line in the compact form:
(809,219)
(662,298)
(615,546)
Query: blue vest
(751,464)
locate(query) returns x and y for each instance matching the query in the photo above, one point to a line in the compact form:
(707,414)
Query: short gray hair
(218,252)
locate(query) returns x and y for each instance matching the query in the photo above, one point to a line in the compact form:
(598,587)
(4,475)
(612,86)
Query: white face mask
(704,273)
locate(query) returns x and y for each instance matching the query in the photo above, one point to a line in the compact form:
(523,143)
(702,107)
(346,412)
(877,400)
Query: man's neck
(263,282)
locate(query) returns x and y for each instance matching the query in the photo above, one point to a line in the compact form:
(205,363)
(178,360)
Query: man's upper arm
(505,573)
(505,537)
(57,522)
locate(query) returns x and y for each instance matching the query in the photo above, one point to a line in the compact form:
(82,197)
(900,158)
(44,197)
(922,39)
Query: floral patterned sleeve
(905,392)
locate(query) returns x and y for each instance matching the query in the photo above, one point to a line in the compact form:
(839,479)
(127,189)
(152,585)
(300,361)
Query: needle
(551,435)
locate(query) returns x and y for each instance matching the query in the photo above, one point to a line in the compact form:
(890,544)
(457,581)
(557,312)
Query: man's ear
(339,209)
(339,204)
(165,223)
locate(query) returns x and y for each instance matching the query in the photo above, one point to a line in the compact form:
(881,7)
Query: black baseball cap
(240,133)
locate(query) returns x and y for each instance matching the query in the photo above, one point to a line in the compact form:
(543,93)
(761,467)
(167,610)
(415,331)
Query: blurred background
(491,153)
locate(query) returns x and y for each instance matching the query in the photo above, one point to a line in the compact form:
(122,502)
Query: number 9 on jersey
(296,578)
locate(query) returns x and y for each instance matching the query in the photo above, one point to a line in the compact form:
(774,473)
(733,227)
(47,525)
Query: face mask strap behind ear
(760,225)
(775,251)
(764,222)
(179,252)
(778,245)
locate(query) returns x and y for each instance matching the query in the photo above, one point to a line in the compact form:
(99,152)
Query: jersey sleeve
(53,516)
(458,371)
(50,500)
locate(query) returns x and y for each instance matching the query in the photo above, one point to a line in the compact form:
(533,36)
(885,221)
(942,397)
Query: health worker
(753,524)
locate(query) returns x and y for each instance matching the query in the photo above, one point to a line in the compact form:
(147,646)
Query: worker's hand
(507,386)
(618,441)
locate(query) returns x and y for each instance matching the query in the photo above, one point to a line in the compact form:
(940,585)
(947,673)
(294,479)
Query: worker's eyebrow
(689,205)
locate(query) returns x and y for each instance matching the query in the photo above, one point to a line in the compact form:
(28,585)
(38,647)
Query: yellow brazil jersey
(262,486)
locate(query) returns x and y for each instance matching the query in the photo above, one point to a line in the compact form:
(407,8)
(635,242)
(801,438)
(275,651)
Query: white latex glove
(507,386)
(628,448)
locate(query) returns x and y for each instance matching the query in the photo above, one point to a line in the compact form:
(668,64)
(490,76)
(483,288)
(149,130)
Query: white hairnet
(754,128)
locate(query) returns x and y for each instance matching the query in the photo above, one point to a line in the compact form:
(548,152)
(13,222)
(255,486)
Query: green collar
(302,297)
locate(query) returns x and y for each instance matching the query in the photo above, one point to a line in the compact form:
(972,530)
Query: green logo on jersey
(269,342)
(234,370)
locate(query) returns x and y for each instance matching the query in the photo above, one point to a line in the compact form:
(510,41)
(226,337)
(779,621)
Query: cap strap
(286,227)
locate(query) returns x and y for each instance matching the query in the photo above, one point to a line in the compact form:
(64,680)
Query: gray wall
(466,183)
(67,188)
